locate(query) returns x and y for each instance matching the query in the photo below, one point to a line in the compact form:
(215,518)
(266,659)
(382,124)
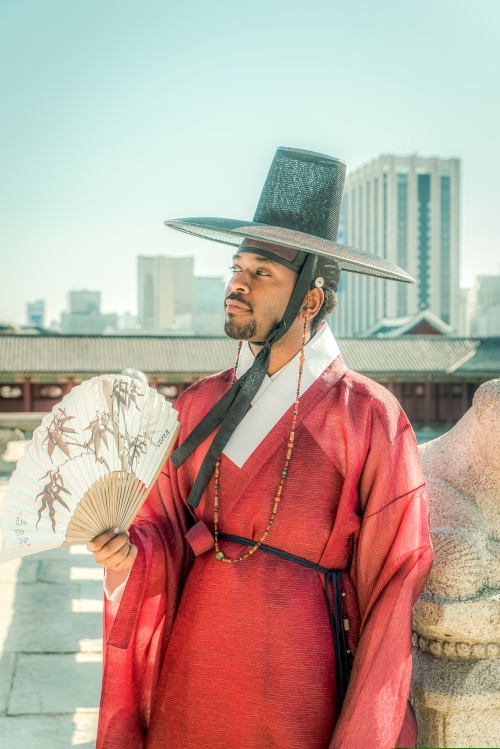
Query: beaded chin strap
(218,553)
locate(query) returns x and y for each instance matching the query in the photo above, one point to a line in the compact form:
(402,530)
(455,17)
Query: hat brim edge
(349,258)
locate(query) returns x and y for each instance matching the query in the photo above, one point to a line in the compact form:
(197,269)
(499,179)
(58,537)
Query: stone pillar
(27,396)
(428,403)
(465,398)
(65,387)
(456,621)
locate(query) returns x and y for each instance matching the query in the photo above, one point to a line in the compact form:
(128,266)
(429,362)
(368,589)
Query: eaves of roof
(405,355)
(486,361)
(196,357)
(91,354)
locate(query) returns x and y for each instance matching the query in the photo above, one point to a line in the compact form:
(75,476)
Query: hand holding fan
(89,466)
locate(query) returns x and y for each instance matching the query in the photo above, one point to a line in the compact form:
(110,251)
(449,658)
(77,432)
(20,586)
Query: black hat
(299,208)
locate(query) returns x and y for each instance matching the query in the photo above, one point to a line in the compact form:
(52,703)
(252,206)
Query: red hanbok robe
(201,653)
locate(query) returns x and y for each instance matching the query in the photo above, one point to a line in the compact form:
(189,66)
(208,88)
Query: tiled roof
(92,354)
(40,355)
(394,327)
(423,354)
(486,360)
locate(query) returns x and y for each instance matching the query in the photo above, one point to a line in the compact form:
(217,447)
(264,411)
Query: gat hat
(299,208)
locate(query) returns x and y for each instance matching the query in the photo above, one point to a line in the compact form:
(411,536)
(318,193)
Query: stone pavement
(50,649)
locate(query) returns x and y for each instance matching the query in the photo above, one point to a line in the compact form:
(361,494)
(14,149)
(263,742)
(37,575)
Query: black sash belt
(342,660)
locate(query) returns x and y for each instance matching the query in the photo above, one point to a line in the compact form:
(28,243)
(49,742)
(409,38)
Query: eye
(262,272)
(234,268)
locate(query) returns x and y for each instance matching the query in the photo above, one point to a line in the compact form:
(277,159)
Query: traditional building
(422,323)
(433,377)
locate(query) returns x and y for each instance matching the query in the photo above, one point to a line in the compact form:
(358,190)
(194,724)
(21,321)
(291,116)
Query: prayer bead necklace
(277,499)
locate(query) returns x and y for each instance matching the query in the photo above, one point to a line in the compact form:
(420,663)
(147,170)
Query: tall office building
(84,302)
(483,301)
(209,306)
(165,293)
(35,312)
(84,316)
(405,209)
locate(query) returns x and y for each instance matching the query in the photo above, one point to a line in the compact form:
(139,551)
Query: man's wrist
(114,583)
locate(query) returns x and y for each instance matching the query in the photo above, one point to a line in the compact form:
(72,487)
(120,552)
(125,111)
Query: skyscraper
(165,293)
(209,306)
(84,316)
(84,302)
(406,209)
(35,312)
(485,298)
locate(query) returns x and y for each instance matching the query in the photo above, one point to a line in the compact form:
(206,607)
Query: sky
(117,115)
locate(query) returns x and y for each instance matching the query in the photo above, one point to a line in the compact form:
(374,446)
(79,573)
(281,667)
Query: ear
(312,303)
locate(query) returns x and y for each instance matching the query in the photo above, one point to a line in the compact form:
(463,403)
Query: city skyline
(477,308)
(115,122)
(363,226)
(352,176)
(170,300)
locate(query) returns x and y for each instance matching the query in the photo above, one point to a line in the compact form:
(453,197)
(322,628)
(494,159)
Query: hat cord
(232,407)
(289,448)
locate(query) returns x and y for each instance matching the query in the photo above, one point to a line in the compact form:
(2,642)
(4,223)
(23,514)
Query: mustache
(235,297)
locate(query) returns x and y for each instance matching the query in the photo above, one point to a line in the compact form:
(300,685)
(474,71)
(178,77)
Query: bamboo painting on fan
(89,466)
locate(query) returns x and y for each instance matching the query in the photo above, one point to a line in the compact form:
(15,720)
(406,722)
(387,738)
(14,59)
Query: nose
(239,283)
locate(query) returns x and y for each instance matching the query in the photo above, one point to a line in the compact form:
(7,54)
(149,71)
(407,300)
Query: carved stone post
(456,667)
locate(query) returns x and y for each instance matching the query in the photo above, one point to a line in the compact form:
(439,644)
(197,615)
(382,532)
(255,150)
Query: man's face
(256,296)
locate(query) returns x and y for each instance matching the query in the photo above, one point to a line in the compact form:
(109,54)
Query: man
(264,596)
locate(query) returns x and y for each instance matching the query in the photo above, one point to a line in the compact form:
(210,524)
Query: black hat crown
(303,191)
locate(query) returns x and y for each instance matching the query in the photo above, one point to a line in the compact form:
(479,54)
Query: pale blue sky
(117,115)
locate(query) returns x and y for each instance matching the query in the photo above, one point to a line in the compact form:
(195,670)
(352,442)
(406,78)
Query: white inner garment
(277,393)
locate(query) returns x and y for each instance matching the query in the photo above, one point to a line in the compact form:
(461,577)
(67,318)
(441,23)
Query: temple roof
(188,358)
(424,322)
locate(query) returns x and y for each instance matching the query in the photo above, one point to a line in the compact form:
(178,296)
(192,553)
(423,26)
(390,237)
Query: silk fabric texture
(203,653)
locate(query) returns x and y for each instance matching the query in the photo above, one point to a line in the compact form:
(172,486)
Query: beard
(240,332)
(231,327)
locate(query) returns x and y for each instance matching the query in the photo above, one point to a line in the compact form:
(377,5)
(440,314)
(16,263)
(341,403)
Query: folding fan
(89,466)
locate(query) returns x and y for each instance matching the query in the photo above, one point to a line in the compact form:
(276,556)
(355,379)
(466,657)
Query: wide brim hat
(299,208)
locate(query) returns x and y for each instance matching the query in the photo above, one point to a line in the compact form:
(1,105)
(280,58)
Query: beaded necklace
(218,553)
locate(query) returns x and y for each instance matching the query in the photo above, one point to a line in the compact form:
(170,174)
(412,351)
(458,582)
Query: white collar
(277,393)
